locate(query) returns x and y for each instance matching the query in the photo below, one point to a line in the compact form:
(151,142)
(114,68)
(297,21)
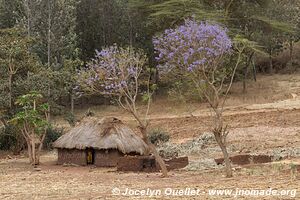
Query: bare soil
(261,122)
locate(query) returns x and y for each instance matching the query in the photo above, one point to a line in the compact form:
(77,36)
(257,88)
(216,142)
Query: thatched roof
(106,133)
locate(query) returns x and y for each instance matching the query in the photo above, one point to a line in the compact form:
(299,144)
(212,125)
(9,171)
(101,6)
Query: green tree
(52,23)
(11,12)
(32,122)
(15,62)
(287,11)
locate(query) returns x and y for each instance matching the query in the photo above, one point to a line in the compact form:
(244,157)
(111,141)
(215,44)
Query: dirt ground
(19,181)
(264,122)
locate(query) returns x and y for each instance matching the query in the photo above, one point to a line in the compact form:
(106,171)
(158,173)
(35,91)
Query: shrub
(158,136)
(89,113)
(52,135)
(11,139)
(70,118)
(183,91)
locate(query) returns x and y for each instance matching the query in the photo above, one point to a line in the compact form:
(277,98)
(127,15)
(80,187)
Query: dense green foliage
(16,62)
(32,121)
(11,140)
(52,135)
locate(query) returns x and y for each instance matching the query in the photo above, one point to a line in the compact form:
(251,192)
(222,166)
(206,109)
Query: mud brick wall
(137,164)
(177,163)
(73,156)
(262,158)
(245,159)
(107,158)
(148,163)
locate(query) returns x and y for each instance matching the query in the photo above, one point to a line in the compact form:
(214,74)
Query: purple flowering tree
(119,73)
(198,51)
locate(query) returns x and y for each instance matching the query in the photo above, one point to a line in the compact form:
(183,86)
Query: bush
(52,135)
(70,118)
(11,139)
(158,136)
(183,92)
(89,113)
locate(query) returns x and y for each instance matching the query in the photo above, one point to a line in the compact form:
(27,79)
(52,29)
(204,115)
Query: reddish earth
(259,123)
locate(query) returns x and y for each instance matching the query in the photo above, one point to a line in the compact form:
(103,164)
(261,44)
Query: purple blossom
(191,45)
(111,70)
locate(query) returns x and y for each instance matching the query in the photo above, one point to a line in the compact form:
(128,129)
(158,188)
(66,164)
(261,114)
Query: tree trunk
(220,136)
(10,89)
(28,7)
(49,52)
(245,77)
(248,62)
(29,149)
(28,142)
(254,70)
(291,50)
(49,35)
(271,62)
(37,157)
(153,150)
(159,159)
(33,150)
(72,103)
(49,107)
(130,31)
(39,149)
(226,159)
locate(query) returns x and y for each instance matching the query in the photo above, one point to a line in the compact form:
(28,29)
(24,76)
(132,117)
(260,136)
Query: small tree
(32,122)
(120,73)
(198,50)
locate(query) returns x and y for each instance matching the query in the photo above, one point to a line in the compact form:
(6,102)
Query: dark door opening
(90,156)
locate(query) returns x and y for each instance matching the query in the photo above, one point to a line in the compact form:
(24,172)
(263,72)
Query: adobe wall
(148,163)
(137,163)
(73,156)
(245,159)
(107,158)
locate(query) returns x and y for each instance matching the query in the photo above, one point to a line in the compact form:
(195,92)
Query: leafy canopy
(32,116)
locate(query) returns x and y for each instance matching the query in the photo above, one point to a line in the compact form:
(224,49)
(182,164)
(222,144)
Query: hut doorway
(90,156)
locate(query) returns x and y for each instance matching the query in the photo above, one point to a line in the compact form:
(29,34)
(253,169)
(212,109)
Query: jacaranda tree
(121,73)
(199,51)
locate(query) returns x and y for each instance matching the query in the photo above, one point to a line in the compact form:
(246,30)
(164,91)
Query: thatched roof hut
(99,135)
